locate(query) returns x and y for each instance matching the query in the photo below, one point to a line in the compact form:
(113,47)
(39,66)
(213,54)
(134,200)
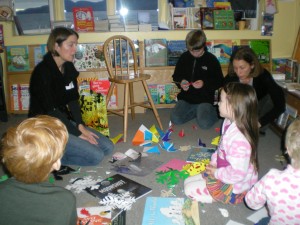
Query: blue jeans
(205,114)
(82,153)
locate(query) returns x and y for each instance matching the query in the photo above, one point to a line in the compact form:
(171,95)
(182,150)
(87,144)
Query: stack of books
(145,27)
(115,23)
(101,25)
(131,27)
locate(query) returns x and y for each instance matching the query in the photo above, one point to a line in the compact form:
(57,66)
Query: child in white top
(233,167)
(280,190)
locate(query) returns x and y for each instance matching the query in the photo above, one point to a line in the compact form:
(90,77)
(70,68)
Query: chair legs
(152,104)
(126,90)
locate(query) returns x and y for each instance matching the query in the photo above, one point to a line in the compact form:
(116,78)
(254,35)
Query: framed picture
(207,17)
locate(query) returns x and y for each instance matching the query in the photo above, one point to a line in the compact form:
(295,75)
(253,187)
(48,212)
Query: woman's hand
(185,85)
(87,135)
(198,84)
(210,170)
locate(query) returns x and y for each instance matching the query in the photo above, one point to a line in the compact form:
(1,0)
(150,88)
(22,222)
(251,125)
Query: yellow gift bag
(93,111)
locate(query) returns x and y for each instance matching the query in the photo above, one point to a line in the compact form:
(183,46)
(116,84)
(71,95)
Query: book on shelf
(116,29)
(175,50)
(262,50)
(89,56)
(278,76)
(17,58)
(100,86)
(161,94)
(83,19)
(287,117)
(279,64)
(180,18)
(101,25)
(222,49)
(292,86)
(19,96)
(171,93)
(224,20)
(97,215)
(222,5)
(145,27)
(117,184)
(156,52)
(170,211)
(200,153)
(193,18)
(153,91)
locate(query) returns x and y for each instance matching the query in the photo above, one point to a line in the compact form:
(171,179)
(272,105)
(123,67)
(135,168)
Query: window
(33,16)
(138,11)
(99,8)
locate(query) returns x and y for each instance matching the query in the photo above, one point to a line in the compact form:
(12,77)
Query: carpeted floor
(269,147)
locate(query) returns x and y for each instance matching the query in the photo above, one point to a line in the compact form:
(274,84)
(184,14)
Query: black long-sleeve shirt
(206,68)
(55,94)
(264,84)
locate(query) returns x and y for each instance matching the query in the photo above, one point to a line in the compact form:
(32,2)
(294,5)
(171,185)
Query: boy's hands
(185,85)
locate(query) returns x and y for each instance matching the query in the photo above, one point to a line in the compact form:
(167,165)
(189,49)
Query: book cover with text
(118,184)
(170,211)
(200,153)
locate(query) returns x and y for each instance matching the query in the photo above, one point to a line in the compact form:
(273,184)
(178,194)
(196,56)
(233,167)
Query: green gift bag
(93,111)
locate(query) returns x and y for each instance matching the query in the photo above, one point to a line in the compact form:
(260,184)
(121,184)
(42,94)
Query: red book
(83,19)
(100,86)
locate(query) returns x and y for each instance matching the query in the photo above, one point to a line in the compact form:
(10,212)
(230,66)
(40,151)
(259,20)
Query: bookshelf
(159,74)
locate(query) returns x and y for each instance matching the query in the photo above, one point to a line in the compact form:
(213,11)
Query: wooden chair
(122,66)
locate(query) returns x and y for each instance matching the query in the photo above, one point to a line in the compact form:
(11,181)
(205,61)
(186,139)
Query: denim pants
(205,114)
(82,153)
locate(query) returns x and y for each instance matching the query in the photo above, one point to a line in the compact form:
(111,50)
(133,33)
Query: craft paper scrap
(117,138)
(175,164)
(132,154)
(181,133)
(224,212)
(139,136)
(166,136)
(258,215)
(200,143)
(147,135)
(216,140)
(154,131)
(119,156)
(168,146)
(231,222)
(185,148)
(153,149)
(146,143)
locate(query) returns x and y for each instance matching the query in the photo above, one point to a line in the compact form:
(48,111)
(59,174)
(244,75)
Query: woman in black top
(244,67)
(54,92)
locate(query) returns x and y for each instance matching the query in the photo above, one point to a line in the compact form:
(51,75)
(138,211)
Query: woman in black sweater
(244,67)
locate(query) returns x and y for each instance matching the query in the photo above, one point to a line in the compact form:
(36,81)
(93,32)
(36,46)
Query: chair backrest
(120,56)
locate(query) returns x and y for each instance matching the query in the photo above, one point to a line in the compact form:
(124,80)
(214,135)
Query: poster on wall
(17,58)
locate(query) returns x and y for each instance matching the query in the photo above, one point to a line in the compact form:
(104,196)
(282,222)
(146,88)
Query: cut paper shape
(119,156)
(153,149)
(117,138)
(146,143)
(196,167)
(232,222)
(132,154)
(181,133)
(185,148)
(161,133)
(216,140)
(168,146)
(224,212)
(142,134)
(217,129)
(147,135)
(155,138)
(166,136)
(175,164)
(3,178)
(194,127)
(258,215)
(154,131)
(200,143)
